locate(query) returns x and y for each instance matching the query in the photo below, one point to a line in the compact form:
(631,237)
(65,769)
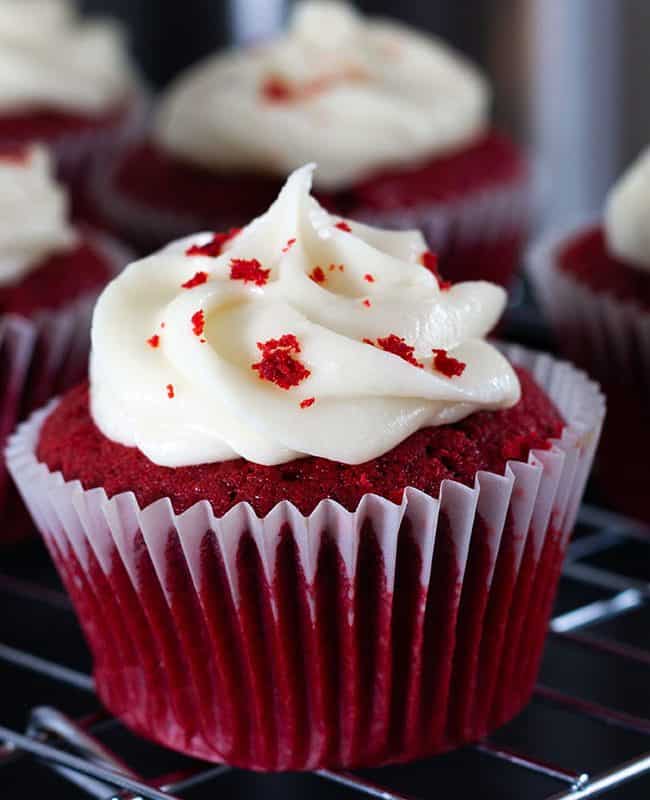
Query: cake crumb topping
(248,270)
(197,279)
(449,366)
(278,364)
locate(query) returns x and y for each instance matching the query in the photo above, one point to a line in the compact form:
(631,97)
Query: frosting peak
(356,95)
(303,334)
(33,213)
(627,214)
(50,57)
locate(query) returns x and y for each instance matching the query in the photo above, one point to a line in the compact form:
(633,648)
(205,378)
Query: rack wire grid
(585,734)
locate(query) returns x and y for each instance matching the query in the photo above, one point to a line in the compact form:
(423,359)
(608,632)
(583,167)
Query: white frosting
(627,214)
(366,400)
(33,214)
(368,94)
(49,57)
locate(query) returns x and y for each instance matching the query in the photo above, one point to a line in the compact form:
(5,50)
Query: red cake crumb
(248,270)
(398,347)
(368,277)
(198,323)
(276,90)
(430,261)
(343,226)
(587,258)
(317,275)
(449,366)
(198,279)
(213,248)
(57,281)
(170,391)
(366,303)
(290,243)
(70,442)
(278,364)
(154,341)
(308,402)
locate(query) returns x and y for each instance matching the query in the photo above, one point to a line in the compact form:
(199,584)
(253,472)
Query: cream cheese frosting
(355,95)
(627,214)
(33,213)
(50,58)
(303,334)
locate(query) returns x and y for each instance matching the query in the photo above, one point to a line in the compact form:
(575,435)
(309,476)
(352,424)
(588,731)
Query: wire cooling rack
(586,733)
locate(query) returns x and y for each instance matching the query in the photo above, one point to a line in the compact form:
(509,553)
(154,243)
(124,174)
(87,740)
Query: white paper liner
(45,354)
(90,536)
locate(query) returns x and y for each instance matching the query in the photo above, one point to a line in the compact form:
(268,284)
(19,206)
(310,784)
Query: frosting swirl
(355,95)
(627,214)
(49,57)
(301,335)
(33,213)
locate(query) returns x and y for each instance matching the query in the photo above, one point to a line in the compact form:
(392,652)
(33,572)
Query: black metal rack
(586,733)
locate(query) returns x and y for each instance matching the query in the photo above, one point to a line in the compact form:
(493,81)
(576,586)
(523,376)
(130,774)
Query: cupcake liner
(610,338)
(41,357)
(336,639)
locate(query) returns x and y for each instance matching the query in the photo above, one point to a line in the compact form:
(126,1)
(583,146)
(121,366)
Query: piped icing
(627,214)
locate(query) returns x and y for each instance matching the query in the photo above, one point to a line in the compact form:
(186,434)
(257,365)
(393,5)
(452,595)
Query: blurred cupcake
(63,82)
(396,121)
(308,516)
(50,275)
(593,282)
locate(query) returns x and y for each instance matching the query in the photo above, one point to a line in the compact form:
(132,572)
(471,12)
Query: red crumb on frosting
(154,341)
(198,323)
(430,261)
(317,275)
(196,280)
(248,270)
(368,277)
(398,347)
(170,391)
(367,303)
(308,402)
(449,366)
(288,245)
(214,247)
(278,364)
(343,226)
(276,90)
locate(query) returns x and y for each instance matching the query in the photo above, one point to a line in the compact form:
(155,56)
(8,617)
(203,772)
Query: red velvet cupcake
(50,275)
(397,123)
(593,281)
(307,515)
(66,83)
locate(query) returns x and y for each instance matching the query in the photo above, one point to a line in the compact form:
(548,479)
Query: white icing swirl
(627,214)
(50,58)
(365,94)
(366,400)
(33,214)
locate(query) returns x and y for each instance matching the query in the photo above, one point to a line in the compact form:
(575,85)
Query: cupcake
(396,121)
(308,516)
(63,82)
(593,282)
(50,275)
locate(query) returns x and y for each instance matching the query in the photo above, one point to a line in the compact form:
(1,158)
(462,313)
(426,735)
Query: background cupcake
(308,516)
(397,123)
(593,281)
(50,274)
(64,82)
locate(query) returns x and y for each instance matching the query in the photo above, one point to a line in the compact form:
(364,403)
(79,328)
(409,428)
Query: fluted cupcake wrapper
(610,338)
(337,639)
(40,357)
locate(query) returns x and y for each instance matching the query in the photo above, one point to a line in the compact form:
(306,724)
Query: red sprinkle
(343,226)
(248,270)
(367,303)
(398,347)
(198,323)
(308,402)
(449,366)
(430,261)
(368,277)
(197,280)
(215,246)
(170,391)
(288,245)
(317,275)
(162,324)
(276,90)
(278,364)
(154,341)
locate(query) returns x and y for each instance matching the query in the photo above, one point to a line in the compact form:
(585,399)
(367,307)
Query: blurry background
(568,75)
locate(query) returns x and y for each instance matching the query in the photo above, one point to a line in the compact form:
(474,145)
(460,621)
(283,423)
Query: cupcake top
(33,213)
(627,215)
(50,58)
(302,334)
(354,94)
